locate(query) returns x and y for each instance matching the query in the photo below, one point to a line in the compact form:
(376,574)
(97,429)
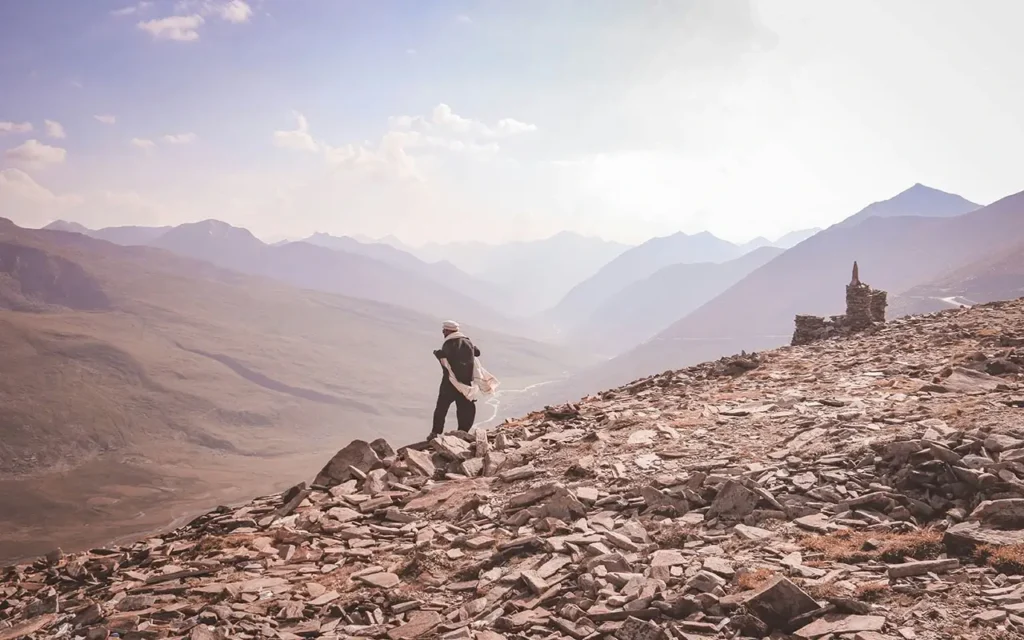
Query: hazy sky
(503,119)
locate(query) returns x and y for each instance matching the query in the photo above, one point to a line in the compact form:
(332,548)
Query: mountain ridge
(636,264)
(646,307)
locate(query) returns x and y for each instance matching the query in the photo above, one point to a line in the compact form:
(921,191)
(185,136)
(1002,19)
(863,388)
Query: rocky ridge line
(866,488)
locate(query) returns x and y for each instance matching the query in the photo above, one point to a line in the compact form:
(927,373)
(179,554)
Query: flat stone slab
(835,624)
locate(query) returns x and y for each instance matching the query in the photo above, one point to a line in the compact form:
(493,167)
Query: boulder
(733,502)
(1006,514)
(778,602)
(965,537)
(357,455)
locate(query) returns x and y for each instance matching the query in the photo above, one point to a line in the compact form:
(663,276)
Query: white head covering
(450,325)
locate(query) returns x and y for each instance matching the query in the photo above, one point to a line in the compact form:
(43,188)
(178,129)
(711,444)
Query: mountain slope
(533,275)
(442,272)
(999,276)
(70,227)
(180,384)
(794,238)
(636,264)
(644,308)
(127,236)
(895,254)
(314,267)
(918,200)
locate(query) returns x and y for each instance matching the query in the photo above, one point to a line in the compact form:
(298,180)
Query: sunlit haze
(457,120)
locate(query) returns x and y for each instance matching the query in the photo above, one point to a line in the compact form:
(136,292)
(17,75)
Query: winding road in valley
(494,401)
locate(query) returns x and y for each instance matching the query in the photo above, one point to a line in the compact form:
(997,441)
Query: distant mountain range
(534,275)
(591,300)
(644,308)
(371,272)
(442,272)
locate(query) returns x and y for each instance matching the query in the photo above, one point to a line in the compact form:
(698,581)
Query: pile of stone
(865,308)
(862,489)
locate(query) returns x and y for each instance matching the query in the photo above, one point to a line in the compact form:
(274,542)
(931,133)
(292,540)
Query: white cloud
(443,131)
(36,155)
(299,138)
(180,138)
(33,205)
(131,10)
(15,127)
(143,143)
(445,122)
(511,127)
(29,203)
(55,129)
(463,19)
(106,119)
(176,28)
(235,11)
(423,171)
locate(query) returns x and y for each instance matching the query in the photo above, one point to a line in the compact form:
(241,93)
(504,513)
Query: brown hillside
(999,276)
(194,381)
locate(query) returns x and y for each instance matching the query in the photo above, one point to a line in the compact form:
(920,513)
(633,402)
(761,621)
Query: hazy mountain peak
(756,243)
(918,200)
(794,238)
(66,225)
(219,229)
(924,191)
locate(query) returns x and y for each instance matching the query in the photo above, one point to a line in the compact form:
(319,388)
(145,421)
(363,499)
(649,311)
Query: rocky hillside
(868,488)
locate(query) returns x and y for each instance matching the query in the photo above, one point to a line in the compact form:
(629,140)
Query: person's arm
(446,351)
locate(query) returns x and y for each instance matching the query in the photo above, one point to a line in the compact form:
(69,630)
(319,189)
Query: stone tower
(858,303)
(865,307)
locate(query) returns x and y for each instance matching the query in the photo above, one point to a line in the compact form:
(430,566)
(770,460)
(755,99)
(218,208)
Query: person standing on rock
(458,362)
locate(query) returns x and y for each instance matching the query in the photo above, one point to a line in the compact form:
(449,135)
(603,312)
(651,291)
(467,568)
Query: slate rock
(778,602)
(733,502)
(358,455)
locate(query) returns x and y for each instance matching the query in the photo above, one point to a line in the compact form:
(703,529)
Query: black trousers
(465,410)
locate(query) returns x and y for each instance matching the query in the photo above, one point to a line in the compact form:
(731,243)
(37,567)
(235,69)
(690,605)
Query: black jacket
(460,353)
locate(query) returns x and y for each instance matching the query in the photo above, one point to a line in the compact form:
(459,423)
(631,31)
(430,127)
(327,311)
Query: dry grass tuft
(754,580)
(872,591)
(857,546)
(825,591)
(672,536)
(1008,559)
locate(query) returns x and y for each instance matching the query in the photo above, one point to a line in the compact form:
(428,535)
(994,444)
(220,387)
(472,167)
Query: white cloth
(450,325)
(483,381)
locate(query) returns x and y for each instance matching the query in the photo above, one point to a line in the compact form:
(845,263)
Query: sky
(502,120)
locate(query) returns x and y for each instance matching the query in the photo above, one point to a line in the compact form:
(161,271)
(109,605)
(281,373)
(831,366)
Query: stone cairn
(865,307)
